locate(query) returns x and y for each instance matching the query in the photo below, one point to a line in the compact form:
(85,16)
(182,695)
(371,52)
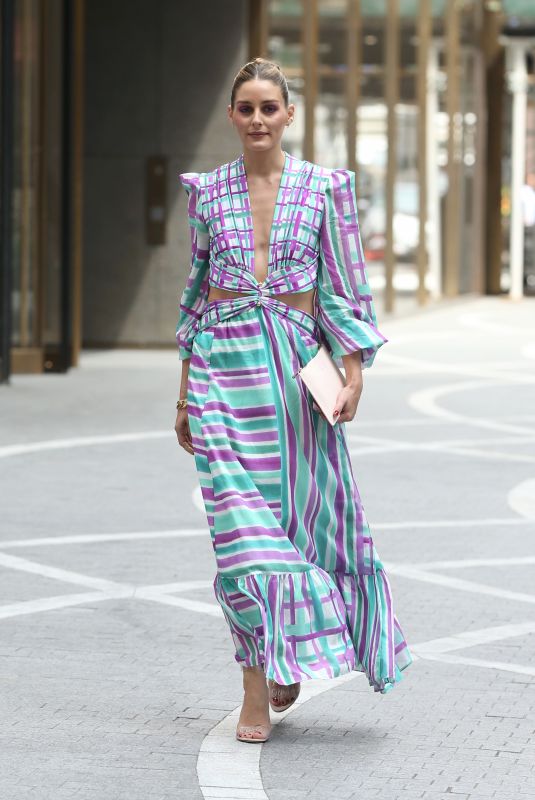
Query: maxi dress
(298,578)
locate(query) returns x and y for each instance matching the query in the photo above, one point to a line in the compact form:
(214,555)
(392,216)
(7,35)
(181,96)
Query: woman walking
(276,270)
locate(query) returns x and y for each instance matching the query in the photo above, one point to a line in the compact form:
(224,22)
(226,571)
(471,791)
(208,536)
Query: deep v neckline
(249,217)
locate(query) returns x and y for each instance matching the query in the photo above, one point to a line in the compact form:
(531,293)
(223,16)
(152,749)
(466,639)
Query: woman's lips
(258,134)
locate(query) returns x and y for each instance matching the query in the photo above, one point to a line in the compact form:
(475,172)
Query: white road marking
(90,538)
(185,533)
(449,523)
(444,448)
(486,372)
(479,322)
(459,641)
(230,769)
(458,583)
(467,563)
(518,669)
(10,450)
(200,607)
(179,586)
(53,603)
(107,590)
(521,499)
(424,401)
(63,575)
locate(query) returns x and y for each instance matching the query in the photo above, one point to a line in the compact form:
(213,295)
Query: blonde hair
(260,69)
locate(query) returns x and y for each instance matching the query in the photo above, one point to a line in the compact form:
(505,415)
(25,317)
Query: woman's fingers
(183,433)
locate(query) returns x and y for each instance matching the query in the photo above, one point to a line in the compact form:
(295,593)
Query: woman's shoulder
(330,178)
(210,177)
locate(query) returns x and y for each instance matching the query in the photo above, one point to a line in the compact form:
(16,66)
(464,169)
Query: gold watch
(182,403)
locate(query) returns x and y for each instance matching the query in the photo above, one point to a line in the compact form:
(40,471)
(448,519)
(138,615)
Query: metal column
(310,69)
(452,212)
(392,93)
(424,36)
(354,60)
(518,85)
(433,171)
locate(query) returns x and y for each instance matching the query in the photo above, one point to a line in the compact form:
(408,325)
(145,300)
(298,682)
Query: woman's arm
(195,294)
(346,313)
(194,297)
(182,429)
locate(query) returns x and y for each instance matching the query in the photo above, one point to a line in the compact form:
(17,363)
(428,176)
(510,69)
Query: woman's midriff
(304,301)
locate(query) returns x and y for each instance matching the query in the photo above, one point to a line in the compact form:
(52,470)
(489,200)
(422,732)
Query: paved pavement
(116,667)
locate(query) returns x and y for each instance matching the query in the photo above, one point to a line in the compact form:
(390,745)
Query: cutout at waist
(304,301)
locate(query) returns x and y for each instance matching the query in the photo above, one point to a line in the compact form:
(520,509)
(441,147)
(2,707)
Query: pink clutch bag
(324,380)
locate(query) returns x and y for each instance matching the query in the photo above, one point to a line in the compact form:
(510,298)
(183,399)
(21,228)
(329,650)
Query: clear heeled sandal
(274,687)
(241,730)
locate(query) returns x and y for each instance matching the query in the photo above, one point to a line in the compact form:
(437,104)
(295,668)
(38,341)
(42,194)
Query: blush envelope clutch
(324,380)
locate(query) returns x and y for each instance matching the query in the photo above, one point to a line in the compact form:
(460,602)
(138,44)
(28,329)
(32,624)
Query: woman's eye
(266,109)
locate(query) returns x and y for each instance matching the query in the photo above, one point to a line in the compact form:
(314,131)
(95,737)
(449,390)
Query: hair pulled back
(260,69)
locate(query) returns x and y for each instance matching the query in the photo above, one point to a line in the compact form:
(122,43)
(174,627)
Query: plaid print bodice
(291,278)
(314,243)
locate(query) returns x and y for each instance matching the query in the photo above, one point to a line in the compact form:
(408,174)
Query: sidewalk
(116,665)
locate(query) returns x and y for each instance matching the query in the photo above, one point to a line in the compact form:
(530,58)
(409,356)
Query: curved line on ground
(230,769)
(227,768)
(424,401)
(521,498)
(479,322)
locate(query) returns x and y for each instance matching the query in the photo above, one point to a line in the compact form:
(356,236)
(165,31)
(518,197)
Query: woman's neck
(269,162)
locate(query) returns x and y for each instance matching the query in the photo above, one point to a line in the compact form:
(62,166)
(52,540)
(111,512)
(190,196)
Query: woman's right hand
(183,433)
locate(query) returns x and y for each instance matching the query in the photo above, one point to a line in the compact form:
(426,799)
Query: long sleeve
(195,294)
(346,314)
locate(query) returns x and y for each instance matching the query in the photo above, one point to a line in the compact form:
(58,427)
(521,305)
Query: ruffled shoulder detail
(191,181)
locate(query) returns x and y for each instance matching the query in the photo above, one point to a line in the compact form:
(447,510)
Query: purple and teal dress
(298,577)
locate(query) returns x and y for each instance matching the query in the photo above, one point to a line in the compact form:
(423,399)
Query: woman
(276,270)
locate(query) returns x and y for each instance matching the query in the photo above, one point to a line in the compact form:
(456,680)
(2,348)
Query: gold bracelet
(182,403)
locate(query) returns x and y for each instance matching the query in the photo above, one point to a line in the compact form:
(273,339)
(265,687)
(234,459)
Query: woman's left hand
(348,400)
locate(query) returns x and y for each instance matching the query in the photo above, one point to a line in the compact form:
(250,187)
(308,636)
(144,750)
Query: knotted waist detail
(294,278)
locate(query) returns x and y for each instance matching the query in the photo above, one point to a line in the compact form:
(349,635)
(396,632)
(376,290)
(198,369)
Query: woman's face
(259,115)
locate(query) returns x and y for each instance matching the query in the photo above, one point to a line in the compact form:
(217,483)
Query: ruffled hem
(315,624)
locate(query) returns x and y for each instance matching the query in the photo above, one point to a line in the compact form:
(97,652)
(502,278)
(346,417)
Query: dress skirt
(298,578)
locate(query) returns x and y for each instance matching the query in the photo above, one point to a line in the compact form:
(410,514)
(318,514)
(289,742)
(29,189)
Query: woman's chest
(285,226)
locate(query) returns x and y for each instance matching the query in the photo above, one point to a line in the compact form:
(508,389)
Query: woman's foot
(254,724)
(282,697)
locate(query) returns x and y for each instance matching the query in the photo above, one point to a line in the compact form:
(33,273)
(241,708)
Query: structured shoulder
(340,179)
(192,181)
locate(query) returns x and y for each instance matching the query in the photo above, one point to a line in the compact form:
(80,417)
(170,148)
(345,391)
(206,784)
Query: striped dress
(298,578)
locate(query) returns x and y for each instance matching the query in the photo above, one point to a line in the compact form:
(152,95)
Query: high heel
(265,730)
(272,684)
